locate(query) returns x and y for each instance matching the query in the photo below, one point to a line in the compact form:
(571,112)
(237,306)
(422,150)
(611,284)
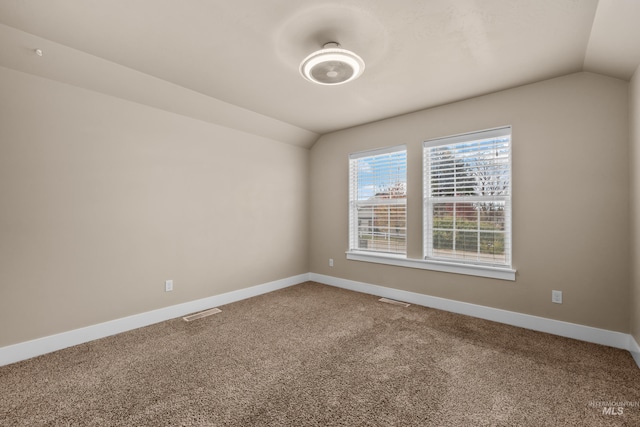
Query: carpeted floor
(321,356)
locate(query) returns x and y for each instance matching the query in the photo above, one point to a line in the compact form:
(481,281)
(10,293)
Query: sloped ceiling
(231,60)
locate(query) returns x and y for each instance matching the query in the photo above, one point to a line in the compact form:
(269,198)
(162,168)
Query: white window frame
(403,261)
(429,200)
(354,204)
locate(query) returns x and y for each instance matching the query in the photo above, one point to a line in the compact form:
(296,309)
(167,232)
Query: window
(378,201)
(467,198)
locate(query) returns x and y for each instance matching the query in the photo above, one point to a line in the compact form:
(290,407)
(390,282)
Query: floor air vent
(394,302)
(202,314)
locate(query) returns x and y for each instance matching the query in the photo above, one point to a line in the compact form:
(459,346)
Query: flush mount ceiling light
(332,65)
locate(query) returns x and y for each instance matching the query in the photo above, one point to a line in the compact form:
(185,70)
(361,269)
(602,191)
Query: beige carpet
(321,356)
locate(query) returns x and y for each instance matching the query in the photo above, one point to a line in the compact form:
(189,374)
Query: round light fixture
(332,65)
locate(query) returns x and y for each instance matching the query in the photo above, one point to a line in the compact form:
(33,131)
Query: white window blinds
(378,200)
(467,198)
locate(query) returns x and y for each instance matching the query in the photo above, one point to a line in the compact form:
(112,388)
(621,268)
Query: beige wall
(570,203)
(634,138)
(103,199)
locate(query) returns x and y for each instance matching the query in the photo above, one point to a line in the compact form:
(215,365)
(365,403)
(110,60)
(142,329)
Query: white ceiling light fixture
(332,65)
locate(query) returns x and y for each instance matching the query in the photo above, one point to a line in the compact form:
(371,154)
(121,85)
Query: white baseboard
(26,350)
(542,324)
(634,349)
(37,347)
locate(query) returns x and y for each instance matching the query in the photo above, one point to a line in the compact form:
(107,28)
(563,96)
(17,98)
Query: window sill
(502,273)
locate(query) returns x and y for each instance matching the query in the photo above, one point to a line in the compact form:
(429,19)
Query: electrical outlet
(330,262)
(556,296)
(168,285)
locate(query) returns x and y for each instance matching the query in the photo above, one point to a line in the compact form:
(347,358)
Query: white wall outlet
(330,262)
(168,285)
(556,296)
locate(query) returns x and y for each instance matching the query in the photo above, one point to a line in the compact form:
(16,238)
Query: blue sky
(378,172)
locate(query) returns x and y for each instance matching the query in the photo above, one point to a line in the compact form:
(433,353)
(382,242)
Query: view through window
(378,201)
(467,196)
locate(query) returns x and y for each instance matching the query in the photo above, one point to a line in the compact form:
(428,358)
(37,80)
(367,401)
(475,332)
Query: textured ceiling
(418,53)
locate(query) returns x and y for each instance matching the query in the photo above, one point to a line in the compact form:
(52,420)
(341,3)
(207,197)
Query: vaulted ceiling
(246,53)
